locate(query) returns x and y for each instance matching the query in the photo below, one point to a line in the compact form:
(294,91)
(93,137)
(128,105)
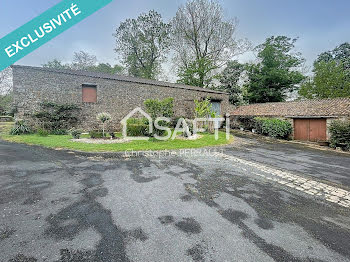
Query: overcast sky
(320,24)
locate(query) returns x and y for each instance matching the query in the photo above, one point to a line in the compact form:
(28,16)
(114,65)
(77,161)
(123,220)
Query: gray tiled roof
(312,107)
(120,78)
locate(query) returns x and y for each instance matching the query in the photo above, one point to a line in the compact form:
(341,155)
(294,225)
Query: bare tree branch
(202,36)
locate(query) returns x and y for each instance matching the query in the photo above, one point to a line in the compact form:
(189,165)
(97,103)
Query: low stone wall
(6,119)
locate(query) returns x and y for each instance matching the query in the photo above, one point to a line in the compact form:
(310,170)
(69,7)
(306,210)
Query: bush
(59,132)
(160,108)
(54,116)
(95,134)
(258,124)
(20,128)
(174,121)
(247,122)
(76,133)
(5,103)
(137,127)
(273,127)
(42,132)
(340,134)
(203,109)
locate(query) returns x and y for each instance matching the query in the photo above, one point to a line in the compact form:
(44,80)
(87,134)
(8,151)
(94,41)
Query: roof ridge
(339,106)
(300,101)
(121,78)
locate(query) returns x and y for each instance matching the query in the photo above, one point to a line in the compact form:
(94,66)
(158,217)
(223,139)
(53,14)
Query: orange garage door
(311,129)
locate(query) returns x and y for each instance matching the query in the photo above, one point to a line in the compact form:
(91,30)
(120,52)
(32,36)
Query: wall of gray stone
(32,86)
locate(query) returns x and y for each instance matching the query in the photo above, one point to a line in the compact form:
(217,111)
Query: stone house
(98,92)
(310,118)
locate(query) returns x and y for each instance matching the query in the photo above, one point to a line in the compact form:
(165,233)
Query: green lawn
(60,141)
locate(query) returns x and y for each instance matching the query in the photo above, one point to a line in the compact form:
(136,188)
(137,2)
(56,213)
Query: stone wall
(35,85)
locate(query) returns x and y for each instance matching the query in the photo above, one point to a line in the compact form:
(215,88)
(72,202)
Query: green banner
(45,27)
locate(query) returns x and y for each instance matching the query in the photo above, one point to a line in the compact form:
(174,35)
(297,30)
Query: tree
(203,108)
(104,117)
(107,68)
(56,64)
(142,44)
(5,91)
(330,80)
(86,62)
(203,41)
(193,73)
(277,71)
(230,78)
(83,61)
(331,75)
(339,54)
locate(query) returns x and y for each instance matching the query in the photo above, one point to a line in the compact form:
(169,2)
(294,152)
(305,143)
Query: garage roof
(304,108)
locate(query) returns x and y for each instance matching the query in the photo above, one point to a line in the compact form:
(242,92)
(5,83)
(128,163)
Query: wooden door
(301,129)
(312,129)
(318,128)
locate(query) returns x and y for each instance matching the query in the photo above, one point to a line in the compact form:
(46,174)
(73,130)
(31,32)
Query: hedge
(340,134)
(137,127)
(273,127)
(95,134)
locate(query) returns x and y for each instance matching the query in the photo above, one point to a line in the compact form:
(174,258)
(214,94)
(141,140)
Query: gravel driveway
(235,204)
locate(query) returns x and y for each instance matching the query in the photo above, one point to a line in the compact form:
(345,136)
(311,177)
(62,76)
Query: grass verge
(65,142)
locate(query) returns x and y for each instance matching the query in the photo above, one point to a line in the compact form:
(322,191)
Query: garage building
(310,118)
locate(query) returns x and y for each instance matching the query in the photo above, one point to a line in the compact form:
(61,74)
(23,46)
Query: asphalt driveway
(253,201)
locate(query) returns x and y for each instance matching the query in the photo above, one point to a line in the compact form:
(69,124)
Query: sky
(320,25)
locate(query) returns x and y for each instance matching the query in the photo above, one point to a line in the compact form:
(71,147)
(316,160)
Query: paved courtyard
(251,201)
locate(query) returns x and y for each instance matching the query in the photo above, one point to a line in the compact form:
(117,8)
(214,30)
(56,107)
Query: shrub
(57,116)
(20,128)
(5,103)
(203,109)
(258,124)
(95,134)
(340,134)
(160,108)
(76,133)
(103,117)
(247,122)
(42,132)
(174,121)
(273,127)
(59,132)
(137,127)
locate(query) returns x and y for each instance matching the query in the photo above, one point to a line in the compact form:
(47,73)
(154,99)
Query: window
(89,93)
(216,107)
